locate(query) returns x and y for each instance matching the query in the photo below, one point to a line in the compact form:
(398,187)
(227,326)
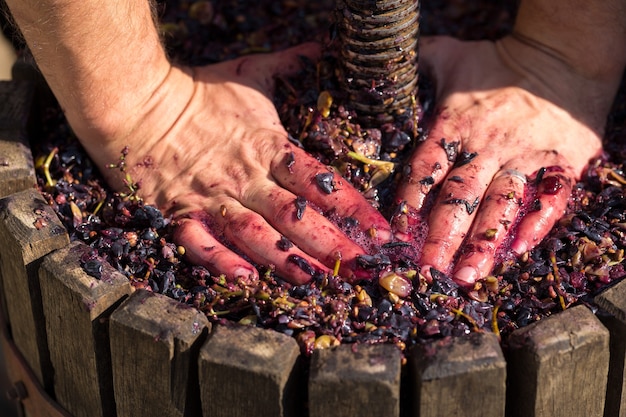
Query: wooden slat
(154,352)
(613,301)
(358,380)
(17,172)
(77,308)
(558,366)
(16,162)
(461,377)
(29,230)
(615,405)
(247,371)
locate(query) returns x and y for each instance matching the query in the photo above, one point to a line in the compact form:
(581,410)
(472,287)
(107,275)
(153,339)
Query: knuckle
(286,213)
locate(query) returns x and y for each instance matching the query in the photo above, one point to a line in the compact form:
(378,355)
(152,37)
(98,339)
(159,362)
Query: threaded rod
(379,54)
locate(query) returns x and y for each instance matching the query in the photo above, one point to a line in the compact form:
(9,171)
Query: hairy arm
(102,60)
(223,168)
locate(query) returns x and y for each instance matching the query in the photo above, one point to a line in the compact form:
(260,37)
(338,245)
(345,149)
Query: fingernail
(519,246)
(360,274)
(380,234)
(402,237)
(246,274)
(466,276)
(425,270)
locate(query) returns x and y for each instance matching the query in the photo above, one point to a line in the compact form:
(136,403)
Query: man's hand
(213,153)
(205,144)
(504,112)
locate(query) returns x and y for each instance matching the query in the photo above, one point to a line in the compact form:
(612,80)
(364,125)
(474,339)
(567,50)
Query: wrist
(153,114)
(102,60)
(588,37)
(545,75)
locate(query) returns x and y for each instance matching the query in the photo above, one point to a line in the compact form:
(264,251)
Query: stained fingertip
(245,274)
(380,233)
(519,246)
(221,262)
(466,276)
(202,248)
(359,274)
(301,270)
(425,271)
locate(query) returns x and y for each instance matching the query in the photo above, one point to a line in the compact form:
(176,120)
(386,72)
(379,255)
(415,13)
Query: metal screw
(379,53)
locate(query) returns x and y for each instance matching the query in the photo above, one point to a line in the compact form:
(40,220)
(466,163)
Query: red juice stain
(543,185)
(551,185)
(504,254)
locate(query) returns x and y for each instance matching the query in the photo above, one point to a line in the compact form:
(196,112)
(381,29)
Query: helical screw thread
(379,51)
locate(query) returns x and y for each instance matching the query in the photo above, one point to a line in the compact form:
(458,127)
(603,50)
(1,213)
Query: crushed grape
(405,305)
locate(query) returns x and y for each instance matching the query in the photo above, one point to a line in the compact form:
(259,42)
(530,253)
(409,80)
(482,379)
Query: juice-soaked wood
(247,371)
(359,380)
(458,376)
(17,172)
(29,230)
(77,307)
(558,366)
(154,351)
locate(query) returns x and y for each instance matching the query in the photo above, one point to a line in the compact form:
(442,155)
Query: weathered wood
(355,381)
(558,366)
(615,405)
(17,172)
(247,371)
(29,230)
(464,376)
(154,351)
(77,308)
(613,301)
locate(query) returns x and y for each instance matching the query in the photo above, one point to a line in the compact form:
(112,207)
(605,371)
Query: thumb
(290,61)
(263,69)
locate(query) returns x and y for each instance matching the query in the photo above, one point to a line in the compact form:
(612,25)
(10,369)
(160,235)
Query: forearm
(102,59)
(589,36)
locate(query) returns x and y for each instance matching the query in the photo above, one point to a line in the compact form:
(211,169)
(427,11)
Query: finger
(454,211)
(305,176)
(310,231)
(251,234)
(553,191)
(202,248)
(430,163)
(265,67)
(499,210)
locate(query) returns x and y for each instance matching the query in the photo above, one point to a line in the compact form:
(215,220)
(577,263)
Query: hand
(210,150)
(504,111)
